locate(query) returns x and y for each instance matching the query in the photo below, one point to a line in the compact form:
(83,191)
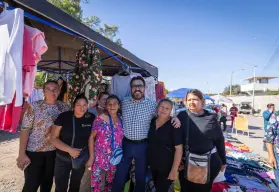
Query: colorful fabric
(88,72)
(271,132)
(101,180)
(10,117)
(160,92)
(103,151)
(38,119)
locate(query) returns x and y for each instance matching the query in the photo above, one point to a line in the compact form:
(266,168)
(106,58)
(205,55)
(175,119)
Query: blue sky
(196,43)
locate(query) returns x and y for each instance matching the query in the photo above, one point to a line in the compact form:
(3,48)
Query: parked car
(245,108)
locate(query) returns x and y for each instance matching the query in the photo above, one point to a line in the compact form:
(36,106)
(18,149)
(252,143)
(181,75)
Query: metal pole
(254,82)
(231,84)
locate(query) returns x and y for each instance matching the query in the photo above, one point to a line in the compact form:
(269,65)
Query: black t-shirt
(82,129)
(161,147)
(204,133)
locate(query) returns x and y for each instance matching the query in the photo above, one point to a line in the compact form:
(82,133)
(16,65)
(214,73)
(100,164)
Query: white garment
(150,88)
(11,34)
(36,95)
(120,85)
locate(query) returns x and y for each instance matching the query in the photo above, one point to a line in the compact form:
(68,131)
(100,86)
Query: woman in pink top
(101,150)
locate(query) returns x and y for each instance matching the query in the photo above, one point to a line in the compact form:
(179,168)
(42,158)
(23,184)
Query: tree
(73,8)
(235,90)
(42,77)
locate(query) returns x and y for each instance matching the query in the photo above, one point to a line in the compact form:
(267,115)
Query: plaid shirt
(137,117)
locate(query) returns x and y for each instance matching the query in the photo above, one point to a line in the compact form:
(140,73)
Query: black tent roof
(69,44)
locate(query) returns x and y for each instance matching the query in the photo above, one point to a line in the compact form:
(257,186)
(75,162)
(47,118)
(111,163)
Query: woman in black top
(204,135)
(61,137)
(165,148)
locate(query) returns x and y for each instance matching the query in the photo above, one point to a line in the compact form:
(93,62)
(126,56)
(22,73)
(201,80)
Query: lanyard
(112,130)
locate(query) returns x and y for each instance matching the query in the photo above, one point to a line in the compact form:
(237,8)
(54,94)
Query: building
(261,85)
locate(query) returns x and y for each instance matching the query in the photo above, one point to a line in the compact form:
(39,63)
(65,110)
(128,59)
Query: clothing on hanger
(150,88)
(120,85)
(34,46)
(160,91)
(11,33)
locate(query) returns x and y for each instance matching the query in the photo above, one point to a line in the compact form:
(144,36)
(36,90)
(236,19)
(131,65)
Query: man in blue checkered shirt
(137,112)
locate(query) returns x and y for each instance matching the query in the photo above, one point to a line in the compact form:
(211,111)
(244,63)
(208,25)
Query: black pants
(161,182)
(223,120)
(187,186)
(63,168)
(40,171)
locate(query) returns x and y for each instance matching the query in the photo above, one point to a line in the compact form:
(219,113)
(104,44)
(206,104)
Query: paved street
(256,135)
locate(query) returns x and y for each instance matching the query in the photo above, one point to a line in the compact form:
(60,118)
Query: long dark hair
(63,89)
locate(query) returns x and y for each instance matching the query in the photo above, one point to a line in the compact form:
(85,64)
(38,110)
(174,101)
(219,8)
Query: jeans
(40,171)
(63,168)
(138,152)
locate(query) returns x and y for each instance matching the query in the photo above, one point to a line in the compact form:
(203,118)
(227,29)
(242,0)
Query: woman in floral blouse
(271,138)
(101,150)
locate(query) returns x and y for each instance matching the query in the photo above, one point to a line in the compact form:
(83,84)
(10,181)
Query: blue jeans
(131,151)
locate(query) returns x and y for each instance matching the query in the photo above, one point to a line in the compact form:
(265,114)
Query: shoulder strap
(74,131)
(112,130)
(187,131)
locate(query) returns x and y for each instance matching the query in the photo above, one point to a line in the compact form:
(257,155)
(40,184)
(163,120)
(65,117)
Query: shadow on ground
(7,136)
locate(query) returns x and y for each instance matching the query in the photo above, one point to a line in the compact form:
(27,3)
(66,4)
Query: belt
(136,141)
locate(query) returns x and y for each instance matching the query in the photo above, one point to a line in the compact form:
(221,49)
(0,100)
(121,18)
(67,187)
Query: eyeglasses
(51,90)
(137,86)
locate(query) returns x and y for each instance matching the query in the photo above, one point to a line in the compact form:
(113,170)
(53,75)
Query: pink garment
(9,117)
(103,151)
(269,175)
(34,46)
(159,89)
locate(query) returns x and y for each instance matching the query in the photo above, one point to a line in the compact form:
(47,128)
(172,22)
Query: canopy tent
(65,35)
(221,99)
(181,93)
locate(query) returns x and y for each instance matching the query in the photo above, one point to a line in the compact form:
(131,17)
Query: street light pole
(254,82)
(232,78)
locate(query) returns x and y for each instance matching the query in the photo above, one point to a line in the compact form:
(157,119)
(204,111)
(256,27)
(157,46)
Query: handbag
(117,152)
(197,167)
(83,157)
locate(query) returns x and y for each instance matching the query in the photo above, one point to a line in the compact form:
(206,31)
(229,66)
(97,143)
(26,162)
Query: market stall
(55,42)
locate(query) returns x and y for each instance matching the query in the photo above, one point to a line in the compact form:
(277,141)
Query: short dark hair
(102,94)
(270,105)
(48,82)
(79,97)
(165,100)
(137,78)
(195,92)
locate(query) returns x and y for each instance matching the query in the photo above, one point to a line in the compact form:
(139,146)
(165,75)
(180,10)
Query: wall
(259,87)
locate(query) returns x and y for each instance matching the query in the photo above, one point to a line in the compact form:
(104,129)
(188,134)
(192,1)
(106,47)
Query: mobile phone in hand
(26,165)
